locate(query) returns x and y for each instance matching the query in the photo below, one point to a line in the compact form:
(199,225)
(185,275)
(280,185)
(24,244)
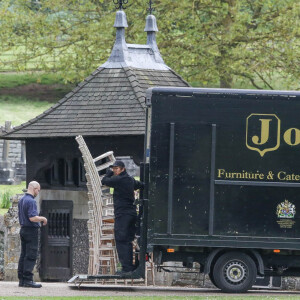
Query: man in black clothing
(124,210)
(30,224)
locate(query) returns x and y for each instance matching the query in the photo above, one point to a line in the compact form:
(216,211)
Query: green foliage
(5,199)
(211,42)
(225,41)
(7,191)
(19,109)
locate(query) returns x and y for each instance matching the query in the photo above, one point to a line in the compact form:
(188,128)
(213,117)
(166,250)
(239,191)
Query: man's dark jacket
(124,186)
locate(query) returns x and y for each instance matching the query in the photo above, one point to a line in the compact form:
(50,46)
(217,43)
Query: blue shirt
(27,209)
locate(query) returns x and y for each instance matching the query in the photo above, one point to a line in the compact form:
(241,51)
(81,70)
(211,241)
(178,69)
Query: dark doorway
(56,240)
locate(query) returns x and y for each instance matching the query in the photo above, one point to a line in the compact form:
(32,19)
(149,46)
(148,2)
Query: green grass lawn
(11,80)
(13,189)
(17,53)
(19,109)
(3,211)
(30,63)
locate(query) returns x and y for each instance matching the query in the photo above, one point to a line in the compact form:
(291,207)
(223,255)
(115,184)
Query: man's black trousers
(29,248)
(124,235)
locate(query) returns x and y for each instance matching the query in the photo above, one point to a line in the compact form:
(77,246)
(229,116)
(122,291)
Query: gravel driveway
(8,288)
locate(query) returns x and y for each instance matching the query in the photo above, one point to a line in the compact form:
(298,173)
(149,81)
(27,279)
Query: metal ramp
(103,257)
(81,279)
(134,279)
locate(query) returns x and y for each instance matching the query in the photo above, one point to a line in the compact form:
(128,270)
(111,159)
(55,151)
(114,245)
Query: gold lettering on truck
(289,134)
(263,133)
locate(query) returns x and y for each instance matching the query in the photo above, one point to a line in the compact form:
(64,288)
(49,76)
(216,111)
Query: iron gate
(56,240)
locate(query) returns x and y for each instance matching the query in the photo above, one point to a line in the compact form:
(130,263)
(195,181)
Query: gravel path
(63,290)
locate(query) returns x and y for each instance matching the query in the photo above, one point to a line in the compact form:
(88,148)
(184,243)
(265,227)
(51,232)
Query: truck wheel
(234,272)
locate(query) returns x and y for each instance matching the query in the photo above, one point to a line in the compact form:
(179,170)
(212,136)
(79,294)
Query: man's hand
(44,221)
(109,172)
(39,219)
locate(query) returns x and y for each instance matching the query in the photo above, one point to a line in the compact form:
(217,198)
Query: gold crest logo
(286,210)
(263,133)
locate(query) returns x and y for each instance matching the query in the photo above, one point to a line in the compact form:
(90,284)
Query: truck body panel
(224,168)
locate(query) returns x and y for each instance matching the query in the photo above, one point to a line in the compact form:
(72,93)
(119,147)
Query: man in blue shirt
(30,224)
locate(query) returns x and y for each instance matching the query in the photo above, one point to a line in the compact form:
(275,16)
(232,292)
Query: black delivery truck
(222,174)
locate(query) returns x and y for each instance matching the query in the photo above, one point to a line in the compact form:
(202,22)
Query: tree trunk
(225,74)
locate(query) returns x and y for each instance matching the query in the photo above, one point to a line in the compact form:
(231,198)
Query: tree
(211,42)
(219,41)
(76,35)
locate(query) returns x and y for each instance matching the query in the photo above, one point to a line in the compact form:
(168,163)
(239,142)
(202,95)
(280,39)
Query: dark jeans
(29,249)
(124,235)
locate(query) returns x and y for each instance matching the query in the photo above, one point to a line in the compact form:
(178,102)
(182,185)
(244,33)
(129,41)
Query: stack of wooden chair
(103,256)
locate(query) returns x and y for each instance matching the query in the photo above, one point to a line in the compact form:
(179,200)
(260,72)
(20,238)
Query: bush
(5,199)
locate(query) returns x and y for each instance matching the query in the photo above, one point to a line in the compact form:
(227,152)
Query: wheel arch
(212,257)
(254,254)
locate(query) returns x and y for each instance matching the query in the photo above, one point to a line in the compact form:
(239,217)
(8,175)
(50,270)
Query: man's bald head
(33,184)
(34,188)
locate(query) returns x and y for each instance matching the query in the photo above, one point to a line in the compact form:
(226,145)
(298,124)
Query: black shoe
(119,273)
(21,283)
(123,273)
(32,284)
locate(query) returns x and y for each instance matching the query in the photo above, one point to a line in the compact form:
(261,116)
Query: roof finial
(119,53)
(119,4)
(150,9)
(151,20)
(151,29)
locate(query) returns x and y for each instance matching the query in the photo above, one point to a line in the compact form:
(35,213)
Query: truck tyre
(234,272)
(212,279)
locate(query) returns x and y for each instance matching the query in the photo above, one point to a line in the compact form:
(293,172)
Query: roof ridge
(139,92)
(56,105)
(180,77)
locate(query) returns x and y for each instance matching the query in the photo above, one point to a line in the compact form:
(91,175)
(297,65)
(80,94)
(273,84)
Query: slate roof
(111,101)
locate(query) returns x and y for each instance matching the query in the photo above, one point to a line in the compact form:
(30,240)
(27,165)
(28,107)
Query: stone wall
(12,244)
(2,230)
(15,150)
(291,283)
(179,276)
(80,247)
(12,241)
(12,159)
